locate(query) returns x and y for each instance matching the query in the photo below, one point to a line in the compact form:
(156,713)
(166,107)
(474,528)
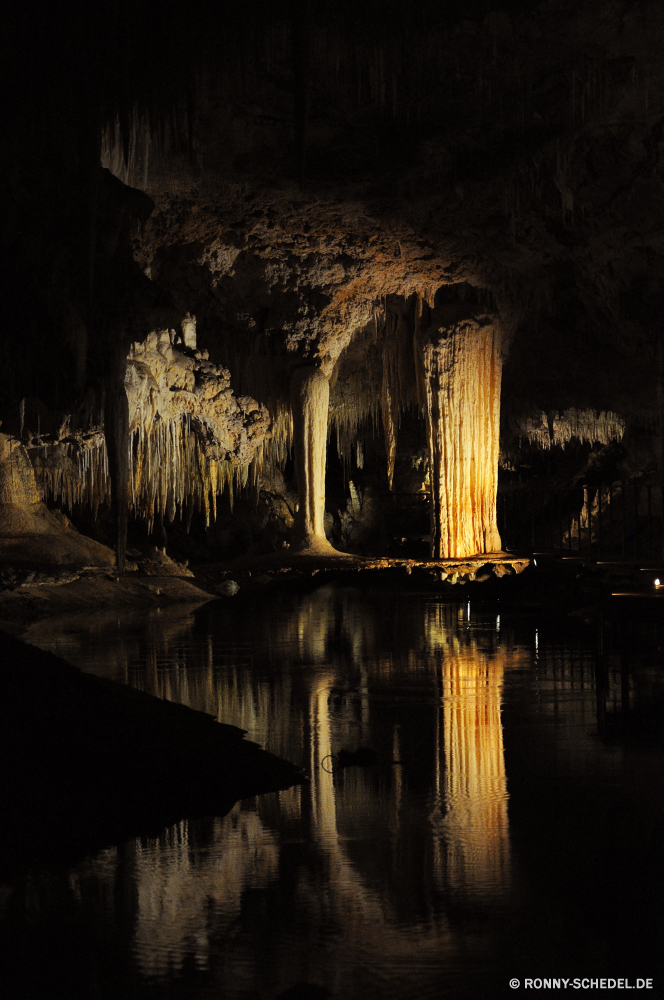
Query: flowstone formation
(460,372)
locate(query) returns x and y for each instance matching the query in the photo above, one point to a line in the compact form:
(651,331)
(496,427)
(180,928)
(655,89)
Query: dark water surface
(520,835)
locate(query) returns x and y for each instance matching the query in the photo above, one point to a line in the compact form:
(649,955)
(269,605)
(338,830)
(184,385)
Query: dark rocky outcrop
(86,761)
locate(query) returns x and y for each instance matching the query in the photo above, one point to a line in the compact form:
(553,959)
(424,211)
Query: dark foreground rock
(86,761)
(33,601)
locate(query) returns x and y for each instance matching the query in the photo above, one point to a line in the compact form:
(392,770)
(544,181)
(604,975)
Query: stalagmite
(310,398)
(459,363)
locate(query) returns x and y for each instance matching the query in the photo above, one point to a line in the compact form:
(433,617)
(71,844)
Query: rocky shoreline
(87,761)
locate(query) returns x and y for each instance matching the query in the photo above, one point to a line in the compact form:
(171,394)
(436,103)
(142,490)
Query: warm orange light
(476,825)
(460,374)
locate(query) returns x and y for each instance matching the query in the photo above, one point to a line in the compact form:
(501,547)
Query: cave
(316,314)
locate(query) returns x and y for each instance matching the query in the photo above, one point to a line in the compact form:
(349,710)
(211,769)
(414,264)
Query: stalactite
(561,427)
(172,471)
(275,451)
(420,386)
(116,431)
(73,470)
(347,422)
(266,377)
(390,403)
(310,395)
(354,400)
(173,464)
(397,389)
(460,363)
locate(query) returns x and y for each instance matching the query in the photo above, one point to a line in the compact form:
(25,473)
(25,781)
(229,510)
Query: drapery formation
(174,435)
(459,361)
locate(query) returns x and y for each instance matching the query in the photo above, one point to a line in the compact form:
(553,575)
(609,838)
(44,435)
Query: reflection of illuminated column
(476,826)
(322,786)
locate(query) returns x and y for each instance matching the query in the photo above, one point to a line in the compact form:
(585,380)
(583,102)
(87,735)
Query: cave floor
(470,567)
(30,602)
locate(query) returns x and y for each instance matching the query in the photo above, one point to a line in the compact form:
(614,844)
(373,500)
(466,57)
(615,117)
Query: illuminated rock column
(460,367)
(310,399)
(116,434)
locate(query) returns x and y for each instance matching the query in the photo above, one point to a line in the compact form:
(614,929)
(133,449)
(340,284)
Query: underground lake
(503,818)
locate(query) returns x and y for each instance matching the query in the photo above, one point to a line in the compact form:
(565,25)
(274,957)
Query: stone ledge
(30,602)
(471,568)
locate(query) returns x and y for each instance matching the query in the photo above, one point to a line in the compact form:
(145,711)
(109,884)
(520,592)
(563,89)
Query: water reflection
(349,881)
(476,824)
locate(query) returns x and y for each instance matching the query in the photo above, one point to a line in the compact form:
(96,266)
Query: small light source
(534,562)
(657,583)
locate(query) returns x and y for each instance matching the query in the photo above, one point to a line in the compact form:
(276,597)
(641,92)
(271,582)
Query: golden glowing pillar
(310,400)
(459,362)
(476,825)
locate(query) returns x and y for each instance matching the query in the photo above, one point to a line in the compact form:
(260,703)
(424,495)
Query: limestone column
(310,400)
(459,359)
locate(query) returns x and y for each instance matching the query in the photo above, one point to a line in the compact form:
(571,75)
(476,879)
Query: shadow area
(88,762)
